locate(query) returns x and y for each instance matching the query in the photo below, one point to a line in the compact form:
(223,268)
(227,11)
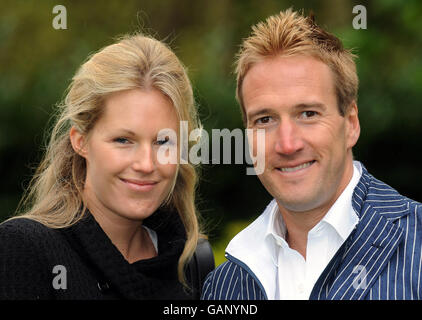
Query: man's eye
(121,140)
(263,120)
(308,114)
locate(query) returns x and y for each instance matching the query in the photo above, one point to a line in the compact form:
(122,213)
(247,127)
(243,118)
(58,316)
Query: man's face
(308,157)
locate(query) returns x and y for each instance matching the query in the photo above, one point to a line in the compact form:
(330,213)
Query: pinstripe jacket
(381,259)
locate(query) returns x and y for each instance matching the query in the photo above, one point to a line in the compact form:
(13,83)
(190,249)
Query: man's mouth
(296,168)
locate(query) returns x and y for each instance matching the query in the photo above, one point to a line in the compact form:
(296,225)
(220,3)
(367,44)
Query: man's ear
(77,139)
(353,125)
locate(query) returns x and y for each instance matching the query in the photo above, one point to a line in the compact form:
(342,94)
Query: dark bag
(200,265)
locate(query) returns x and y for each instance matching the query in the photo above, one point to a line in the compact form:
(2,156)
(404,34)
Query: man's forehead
(272,75)
(286,67)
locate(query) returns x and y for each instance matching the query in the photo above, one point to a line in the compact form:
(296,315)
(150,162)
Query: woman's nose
(144,160)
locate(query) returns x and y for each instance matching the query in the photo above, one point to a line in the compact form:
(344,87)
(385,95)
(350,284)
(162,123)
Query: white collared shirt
(296,276)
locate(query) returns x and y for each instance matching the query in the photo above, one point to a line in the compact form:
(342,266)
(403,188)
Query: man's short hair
(290,33)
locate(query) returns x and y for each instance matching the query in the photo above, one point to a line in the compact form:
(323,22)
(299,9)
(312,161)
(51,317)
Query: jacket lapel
(357,264)
(365,256)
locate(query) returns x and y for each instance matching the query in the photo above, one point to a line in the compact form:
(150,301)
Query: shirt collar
(276,229)
(275,234)
(341,215)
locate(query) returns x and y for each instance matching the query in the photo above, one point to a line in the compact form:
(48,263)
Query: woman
(103,217)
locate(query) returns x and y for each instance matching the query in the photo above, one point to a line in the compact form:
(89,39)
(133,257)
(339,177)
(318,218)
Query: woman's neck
(129,237)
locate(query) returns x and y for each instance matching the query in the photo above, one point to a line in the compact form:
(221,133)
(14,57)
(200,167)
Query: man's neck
(298,224)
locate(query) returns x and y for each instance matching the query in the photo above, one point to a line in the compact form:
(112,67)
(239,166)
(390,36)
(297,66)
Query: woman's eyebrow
(126,131)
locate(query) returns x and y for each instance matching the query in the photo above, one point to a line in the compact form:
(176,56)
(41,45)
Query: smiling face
(308,157)
(124,178)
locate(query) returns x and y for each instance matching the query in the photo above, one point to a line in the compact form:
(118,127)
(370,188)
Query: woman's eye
(162,141)
(121,140)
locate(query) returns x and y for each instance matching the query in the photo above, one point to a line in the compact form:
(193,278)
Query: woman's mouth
(139,185)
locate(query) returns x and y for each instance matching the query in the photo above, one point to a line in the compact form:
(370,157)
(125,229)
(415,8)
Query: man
(333,231)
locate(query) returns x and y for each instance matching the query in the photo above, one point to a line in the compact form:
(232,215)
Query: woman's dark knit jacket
(89,265)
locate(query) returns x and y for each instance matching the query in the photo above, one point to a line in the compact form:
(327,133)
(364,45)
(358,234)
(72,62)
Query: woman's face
(124,178)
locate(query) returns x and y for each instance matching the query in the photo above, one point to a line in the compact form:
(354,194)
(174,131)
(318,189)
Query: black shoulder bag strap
(201,263)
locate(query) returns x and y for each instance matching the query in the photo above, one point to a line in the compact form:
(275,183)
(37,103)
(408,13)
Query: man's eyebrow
(316,105)
(304,105)
(259,112)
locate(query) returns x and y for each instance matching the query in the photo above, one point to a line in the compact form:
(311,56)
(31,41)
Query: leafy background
(37,63)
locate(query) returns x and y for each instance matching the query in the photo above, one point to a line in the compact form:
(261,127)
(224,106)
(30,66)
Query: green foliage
(229,231)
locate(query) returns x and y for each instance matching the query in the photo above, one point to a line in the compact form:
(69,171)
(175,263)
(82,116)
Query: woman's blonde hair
(290,33)
(54,196)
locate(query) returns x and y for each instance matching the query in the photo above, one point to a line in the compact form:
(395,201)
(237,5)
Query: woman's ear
(77,139)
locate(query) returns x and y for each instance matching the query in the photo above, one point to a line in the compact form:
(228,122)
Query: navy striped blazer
(381,259)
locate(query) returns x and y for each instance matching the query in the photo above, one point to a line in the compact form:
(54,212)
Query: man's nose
(144,160)
(289,139)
